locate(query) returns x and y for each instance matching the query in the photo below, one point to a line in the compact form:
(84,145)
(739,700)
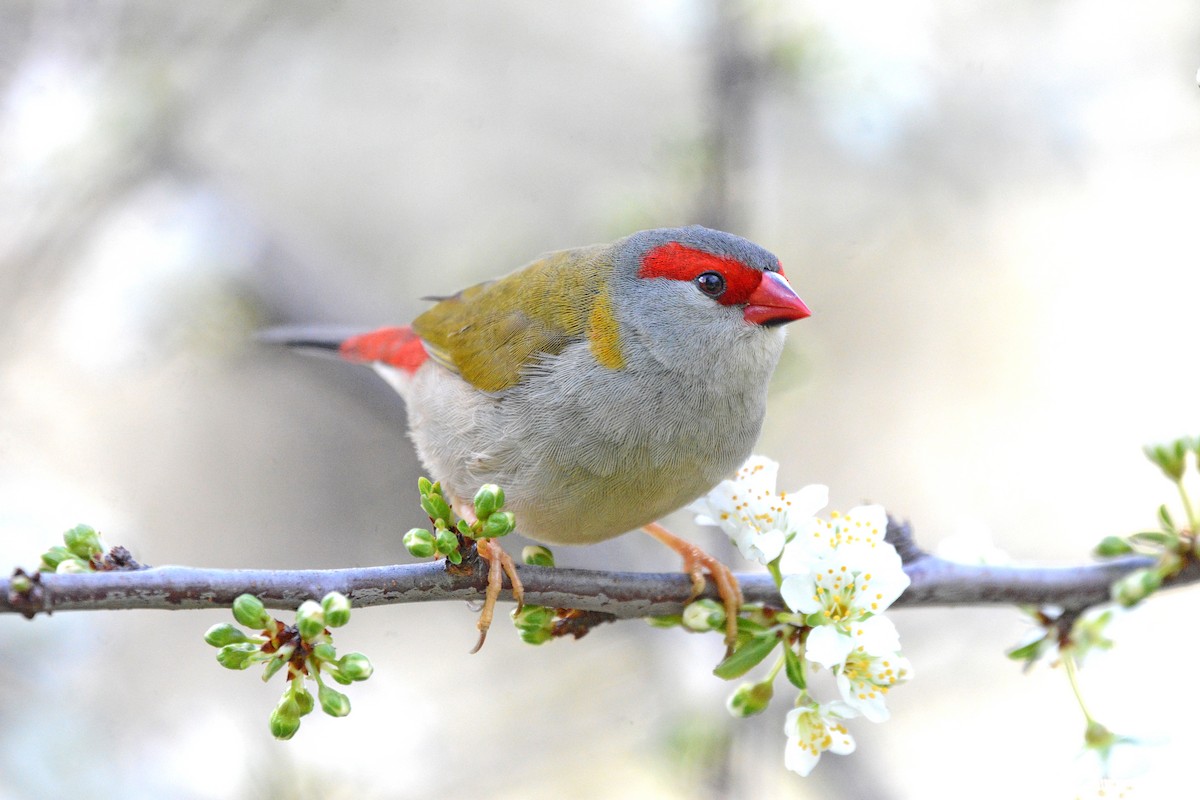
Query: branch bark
(625,595)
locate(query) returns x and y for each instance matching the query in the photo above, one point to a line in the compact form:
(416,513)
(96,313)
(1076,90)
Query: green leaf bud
(535,555)
(355,666)
(275,663)
(223,633)
(83,541)
(1164,519)
(310,620)
(498,524)
(284,725)
(1030,651)
(337,609)
(424,485)
(704,615)
(53,557)
(237,656)
(333,702)
(750,699)
(436,507)
(1170,458)
(1160,539)
(447,542)
(1113,546)
(249,610)
(454,558)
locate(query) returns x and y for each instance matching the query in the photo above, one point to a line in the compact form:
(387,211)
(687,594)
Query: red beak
(774,302)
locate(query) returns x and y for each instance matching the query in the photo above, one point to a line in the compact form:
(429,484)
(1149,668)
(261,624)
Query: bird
(602,387)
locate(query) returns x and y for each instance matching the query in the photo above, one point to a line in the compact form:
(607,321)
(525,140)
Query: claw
(500,564)
(696,562)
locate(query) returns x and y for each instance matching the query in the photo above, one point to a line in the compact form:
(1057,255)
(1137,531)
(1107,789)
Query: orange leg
(695,563)
(500,563)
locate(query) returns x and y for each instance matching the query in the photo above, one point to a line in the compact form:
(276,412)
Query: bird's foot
(500,564)
(696,562)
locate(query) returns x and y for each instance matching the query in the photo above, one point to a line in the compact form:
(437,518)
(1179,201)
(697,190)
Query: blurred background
(991,209)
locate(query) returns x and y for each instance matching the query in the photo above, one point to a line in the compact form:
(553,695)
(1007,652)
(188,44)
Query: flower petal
(827,646)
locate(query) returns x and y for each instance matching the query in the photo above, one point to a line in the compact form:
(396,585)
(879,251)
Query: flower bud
(223,633)
(537,636)
(533,617)
(355,666)
(499,524)
(750,698)
(488,500)
(333,702)
(1112,546)
(419,543)
(284,725)
(337,609)
(304,700)
(310,620)
(73,566)
(704,615)
(249,610)
(537,556)
(83,541)
(324,652)
(237,656)
(447,542)
(1136,587)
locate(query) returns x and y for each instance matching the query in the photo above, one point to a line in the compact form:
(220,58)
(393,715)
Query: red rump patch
(680,263)
(396,347)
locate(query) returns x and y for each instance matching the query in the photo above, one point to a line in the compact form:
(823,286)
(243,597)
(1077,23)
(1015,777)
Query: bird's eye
(711,283)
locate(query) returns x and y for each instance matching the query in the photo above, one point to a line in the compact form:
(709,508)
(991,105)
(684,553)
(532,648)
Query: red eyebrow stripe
(396,347)
(677,262)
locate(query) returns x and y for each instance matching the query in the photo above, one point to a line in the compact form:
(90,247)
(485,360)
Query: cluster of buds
(449,534)
(83,551)
(304,648)
(1174,544)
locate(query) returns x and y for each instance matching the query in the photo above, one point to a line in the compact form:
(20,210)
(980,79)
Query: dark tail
(314,339)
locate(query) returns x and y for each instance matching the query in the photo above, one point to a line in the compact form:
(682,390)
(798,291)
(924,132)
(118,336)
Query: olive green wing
(492,332)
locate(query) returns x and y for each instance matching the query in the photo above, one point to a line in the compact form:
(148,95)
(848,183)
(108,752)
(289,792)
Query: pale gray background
(991,209)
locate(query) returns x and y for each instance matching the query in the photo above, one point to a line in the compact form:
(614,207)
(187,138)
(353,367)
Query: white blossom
(811,730)
(756,518)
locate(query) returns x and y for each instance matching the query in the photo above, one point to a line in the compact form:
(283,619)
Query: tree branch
(623,594)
